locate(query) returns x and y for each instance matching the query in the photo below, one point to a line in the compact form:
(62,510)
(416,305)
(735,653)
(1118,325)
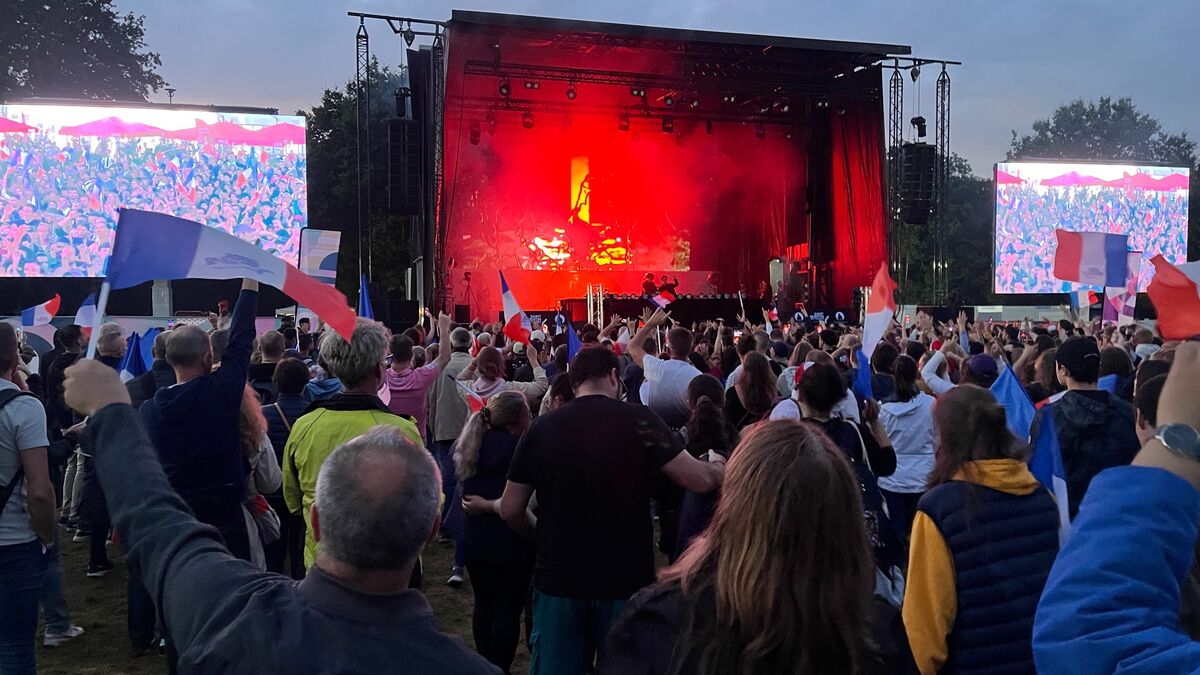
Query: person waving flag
(881,308)
(516,324)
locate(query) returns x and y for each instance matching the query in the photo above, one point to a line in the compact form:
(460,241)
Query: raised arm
(235,364)
(187,569)
(443,333)
(637,343)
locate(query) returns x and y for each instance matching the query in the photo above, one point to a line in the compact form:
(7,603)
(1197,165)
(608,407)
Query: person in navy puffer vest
(983,541)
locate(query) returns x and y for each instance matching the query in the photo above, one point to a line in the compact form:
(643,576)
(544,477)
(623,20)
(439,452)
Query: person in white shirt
(667,380)
(789,408)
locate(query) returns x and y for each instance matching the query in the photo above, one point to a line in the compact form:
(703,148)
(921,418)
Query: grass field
(99,606)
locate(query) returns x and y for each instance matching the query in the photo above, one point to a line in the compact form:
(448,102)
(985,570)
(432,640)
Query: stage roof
(872,51)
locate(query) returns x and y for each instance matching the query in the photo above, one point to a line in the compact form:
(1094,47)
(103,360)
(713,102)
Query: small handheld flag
(1018,409)
(881,307)
(364,299)
(574,344)
(40,315)
(662,299)
(133,364)
(1175,292)
(474,401)
(516,325)
(1046,465)
(862,378)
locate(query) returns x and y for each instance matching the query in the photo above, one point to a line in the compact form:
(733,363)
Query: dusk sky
(1021,58)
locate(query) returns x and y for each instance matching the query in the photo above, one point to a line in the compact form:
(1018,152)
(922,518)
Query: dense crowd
(1027,216)
(659,499)
(59,196)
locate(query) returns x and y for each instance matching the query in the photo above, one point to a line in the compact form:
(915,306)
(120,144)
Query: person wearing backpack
(26,510)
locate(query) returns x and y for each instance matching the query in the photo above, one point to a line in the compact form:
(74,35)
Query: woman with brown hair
(983,541)
(753,395)
(262,523)
(780,582)
(499,561)
(486,375)
(707,431)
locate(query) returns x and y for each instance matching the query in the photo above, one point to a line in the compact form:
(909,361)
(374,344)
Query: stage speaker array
(919,164)
(404,167)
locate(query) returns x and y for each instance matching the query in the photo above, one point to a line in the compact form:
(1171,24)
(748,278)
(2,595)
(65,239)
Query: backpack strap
(7,396)
(286,424)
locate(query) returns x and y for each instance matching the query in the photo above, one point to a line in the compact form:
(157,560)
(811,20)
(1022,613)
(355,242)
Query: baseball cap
(1081,357)
(982,365)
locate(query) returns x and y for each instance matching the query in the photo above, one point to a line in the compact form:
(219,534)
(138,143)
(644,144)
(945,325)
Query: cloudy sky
(1021,57)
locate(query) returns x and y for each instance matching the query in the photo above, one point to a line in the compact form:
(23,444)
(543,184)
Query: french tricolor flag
(516,326)
(151,246)
(1091,258)
(474,401)
(40,315)
(1175,292)
(86,314)
(881,308)
(663,298)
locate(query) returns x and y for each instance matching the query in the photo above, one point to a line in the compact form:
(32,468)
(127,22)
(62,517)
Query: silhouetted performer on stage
(665,287)
(649,288)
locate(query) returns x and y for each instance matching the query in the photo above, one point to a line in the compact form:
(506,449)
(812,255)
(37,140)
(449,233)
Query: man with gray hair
(376,506)
(360,364)
(160,375)
(110,345)
(447,416)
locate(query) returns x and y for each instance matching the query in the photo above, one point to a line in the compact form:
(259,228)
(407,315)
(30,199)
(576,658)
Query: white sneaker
(56,639)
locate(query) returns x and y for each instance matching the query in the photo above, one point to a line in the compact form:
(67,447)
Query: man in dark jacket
(291,375)
(1096,430)
(195,424)
(379,506)
(160,376)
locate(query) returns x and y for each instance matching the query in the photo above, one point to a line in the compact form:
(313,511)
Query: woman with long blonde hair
(499,561)
(780,582)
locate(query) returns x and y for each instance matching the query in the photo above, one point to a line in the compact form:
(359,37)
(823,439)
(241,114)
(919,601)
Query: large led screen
(1033,199)
(65,170)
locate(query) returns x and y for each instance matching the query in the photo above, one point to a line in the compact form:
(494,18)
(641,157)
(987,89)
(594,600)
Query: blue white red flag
(86,314)
(1091,258)
(40,315)
(133,364)
(516,324)
(1045,463)
(862,377)
(1175,292)
(663,298)
(149,246)
(474,401)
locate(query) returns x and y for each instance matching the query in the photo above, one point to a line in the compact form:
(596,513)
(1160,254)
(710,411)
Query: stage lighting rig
(532,84)
(668,124)
(822,103)
(571,93)
(505,88)
(527,119)
(669,100)
(730,98)
(408,34)
(788,134)
(915,72)
(694,103)
(638,92)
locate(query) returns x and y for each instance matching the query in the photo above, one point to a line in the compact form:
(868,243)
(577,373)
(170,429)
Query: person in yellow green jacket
(983,541)
(360,365)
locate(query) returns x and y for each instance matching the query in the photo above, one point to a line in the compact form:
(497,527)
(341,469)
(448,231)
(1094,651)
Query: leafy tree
(78,49)
(1112,131)
(333,186)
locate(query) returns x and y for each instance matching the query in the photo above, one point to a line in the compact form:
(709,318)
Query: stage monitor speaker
(919,164)
(462,314)
(404,167)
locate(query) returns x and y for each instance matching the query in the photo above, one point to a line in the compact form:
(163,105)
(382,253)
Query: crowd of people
(661,499)
(59,196)
(1027,216)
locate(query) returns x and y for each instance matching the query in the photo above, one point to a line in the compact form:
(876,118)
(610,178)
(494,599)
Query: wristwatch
(1180,439)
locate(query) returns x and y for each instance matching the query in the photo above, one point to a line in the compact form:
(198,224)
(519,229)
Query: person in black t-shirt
(594,463)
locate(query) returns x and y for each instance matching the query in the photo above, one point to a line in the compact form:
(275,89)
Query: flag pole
(101,306)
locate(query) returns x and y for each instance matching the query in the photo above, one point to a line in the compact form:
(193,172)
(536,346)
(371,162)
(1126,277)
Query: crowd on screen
(652,498)
(59,196)
(1026,218)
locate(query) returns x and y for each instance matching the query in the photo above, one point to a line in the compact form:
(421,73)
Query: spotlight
(730,98)
(571,93)
(638,92)
(921,125)
(788,134)
(475,133)
(694,103)
(527,119)
(708,127)
(785,107)
(669,100)
(841,109)
(532,84)
(668,125)
(760,131)
(409,35)
(505,88)
(623,122)
(915,73)
(822,103)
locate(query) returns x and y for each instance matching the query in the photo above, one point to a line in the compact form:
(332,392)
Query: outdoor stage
(580,153)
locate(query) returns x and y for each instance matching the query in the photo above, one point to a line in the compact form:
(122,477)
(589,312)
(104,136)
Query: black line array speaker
(404,167)
(919,164)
